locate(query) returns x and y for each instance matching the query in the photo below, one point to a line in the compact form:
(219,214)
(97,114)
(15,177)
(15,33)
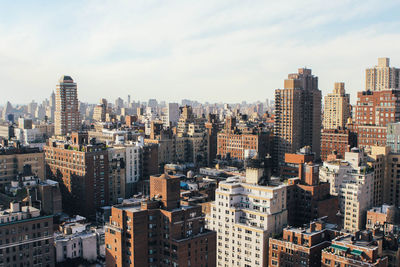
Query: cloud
(204,50)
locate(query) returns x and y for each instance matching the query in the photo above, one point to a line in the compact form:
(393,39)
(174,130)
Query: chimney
(15,206)
(312,227)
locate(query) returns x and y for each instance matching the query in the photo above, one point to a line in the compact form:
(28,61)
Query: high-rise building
(382,77)
(246,211)
(159,231)
(336,108)
(67,112)
(391,187)
(119,103)
(386,186)
(172,116)
(297,115)
(377,159)
(352,180)
(393,137)
(99,111)
(212,127)
(374,111)
(81,168)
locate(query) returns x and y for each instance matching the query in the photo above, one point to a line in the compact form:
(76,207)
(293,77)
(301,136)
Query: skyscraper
(382,77)
(298,114)
(67,112)
(337,108)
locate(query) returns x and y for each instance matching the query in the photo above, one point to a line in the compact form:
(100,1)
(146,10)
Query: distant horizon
(223,51)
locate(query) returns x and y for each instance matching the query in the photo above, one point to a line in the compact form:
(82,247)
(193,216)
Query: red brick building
(302,247)
(374,110)
(232,142)
(81,168)
(294,162)
(308,198)
(159,231)
(338,140)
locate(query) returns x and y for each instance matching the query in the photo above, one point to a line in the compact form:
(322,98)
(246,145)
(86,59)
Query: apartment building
(374,111)
(14,158)
(298,115)
(81,168)
(336,108)
(159,231)
(246,212)
(26,237)
(358,250)
(67,107)
(352,180)
(337,141)
(302,246)
(382,76)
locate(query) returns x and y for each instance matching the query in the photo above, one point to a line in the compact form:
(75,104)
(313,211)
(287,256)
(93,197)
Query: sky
(215,51)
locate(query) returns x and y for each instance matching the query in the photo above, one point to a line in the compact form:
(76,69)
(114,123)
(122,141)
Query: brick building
(81,168)
(67,107)
(26,237)
(159,231)
(385,226)
(309,199)
(302,246)
(374,111)
(294,162)
(337,140)
(13,160)
(212,126)
(233,142)
(297,115)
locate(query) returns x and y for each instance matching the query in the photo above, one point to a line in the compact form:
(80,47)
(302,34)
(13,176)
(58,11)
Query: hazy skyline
(211,51)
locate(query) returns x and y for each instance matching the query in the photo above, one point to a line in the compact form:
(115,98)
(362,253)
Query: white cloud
(205,50)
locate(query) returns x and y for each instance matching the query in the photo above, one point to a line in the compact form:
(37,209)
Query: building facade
(298,115)
(302,246)
(67,111)
(26,237)
(337,141)
(81,168)
(382,77)
(374,111)
(245,214)
(352,180)
(360,249)
(159,231)
(336,108)
(13,160)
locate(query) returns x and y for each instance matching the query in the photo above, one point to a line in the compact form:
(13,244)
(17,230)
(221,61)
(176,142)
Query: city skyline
(215,52)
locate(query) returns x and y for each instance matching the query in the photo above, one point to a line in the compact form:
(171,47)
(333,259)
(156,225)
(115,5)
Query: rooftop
(382,209)
(66,78)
